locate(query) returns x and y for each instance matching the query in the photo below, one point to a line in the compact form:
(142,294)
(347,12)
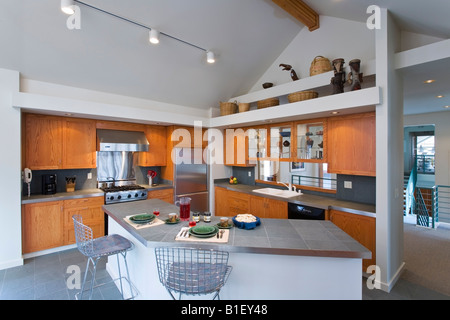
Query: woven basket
(271,102)
(227,108)
(302,95)
(243,107)
(320,65)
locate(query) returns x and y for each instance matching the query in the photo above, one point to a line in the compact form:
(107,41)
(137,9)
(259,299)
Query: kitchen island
(278,260)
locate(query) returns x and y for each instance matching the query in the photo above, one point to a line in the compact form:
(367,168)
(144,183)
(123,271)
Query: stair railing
(410,201)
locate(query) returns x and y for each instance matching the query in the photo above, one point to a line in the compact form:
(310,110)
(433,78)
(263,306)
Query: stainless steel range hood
(116,140)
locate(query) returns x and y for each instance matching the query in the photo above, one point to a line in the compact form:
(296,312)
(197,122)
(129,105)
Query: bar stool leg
(93,277)
(128,274)
(84,280)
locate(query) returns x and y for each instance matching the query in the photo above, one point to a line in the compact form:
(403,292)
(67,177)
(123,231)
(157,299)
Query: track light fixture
(154,35)
(67,6)
(210,58)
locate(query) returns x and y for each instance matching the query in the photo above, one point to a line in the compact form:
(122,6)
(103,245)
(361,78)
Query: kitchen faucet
(288,186)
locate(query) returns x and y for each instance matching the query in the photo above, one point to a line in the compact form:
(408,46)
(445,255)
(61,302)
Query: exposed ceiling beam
(301,11)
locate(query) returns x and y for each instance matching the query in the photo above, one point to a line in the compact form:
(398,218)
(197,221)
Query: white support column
(10,162)
(389,118)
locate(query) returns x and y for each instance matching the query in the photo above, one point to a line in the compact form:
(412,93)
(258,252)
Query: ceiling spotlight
(210,57)
(440,96)
(446,107)
(67,6)
(154,36)
(429,81)
(335,112)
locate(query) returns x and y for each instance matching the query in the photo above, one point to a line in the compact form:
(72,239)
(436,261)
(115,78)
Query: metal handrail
(314,182)
(441,203)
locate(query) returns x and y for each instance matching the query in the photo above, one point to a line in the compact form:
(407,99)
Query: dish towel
(184,235)
(137,226)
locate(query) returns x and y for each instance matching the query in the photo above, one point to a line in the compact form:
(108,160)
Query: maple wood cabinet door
(43,142)
(351,144)
(42,226)
(79,144)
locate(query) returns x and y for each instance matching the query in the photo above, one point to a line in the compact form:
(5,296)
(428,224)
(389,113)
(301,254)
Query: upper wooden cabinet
(59,143)
(43,142)
(157,150)
(352,144)
(79,144)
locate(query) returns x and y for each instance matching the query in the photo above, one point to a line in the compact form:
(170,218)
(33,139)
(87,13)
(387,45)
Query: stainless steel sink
(277,192)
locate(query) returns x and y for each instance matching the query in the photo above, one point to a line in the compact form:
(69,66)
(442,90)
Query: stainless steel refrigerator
(191,178)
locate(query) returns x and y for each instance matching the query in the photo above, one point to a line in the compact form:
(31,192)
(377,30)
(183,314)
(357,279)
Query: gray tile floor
(45,278)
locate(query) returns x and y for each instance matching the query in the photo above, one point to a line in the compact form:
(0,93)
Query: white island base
(254,276)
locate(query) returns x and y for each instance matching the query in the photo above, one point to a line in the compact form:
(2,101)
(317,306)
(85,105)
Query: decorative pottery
(355,77)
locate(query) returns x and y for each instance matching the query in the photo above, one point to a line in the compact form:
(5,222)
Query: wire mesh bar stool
(192,271)
(94,249)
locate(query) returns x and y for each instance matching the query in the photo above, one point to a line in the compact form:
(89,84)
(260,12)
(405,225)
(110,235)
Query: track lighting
(154,36)
(67,6)
(210,57)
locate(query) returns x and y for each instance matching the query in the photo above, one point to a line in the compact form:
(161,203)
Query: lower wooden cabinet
(361,228)
(164,195)
(42,226)
(230,203)
(91,211)
(268,208)
(221,202)
(47,225)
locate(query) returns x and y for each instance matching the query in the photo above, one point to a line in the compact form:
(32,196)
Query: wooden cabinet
(157,153)
(221,202)
(238,203)
(236,148)
(59,143)
(164,195)
(91,211)
(230,203)
(42,226)
(268,208)
(79,144)
(43,142)
(47,225)
(351,144)
(359,227)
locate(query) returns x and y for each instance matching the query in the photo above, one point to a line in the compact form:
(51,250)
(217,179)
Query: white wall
(10,162)
(441,120)
(389,145)
(336,38)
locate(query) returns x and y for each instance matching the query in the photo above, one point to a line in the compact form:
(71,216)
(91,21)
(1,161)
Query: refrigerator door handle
(190,194)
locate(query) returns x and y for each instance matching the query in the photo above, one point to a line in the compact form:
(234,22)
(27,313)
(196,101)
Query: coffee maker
(49,184)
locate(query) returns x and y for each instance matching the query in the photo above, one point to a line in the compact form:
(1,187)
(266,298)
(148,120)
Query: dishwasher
(301,212)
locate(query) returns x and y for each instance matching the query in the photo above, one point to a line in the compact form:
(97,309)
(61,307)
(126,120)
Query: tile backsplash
(82,181)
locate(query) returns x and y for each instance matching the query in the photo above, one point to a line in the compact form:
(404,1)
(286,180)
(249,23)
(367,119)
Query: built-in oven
(301,212)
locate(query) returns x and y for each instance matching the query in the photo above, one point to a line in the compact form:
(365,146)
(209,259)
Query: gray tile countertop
(86,193)
(308,200)
(273,236)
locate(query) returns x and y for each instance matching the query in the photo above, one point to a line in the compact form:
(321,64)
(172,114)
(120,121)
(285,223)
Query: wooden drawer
(91,211)
(164,195)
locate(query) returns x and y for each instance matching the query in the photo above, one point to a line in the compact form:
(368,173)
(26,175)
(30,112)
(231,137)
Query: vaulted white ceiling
(110,55)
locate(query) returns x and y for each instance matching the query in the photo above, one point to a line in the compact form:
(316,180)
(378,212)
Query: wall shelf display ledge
(358,101)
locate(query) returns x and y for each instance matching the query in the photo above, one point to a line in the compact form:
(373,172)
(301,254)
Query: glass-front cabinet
(257,142)
(281,141)
(311,140)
